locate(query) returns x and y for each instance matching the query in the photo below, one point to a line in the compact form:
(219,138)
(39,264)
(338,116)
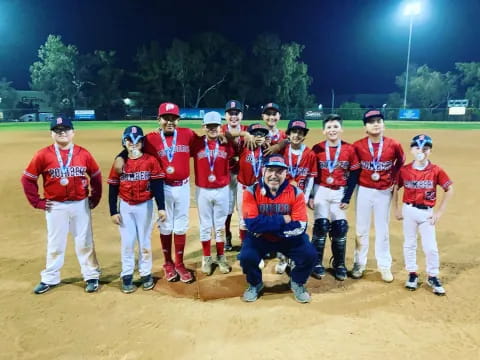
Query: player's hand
(162,215)
(398,214)
(249,140)
(435,217)
(294,183)
(311,204)
(223,138)
(273,149)
(118,164)
(287,218)
(343,206)
(48,205)
(116,219)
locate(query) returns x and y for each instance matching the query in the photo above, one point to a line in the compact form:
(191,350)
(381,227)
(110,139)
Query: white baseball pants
(419,220)
(327,204)
(378,201)
(73,217)
(212,205)
(241,222)
(137,224)
(232,193)
(177,206)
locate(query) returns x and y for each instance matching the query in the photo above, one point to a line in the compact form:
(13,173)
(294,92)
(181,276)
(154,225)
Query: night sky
(351,46)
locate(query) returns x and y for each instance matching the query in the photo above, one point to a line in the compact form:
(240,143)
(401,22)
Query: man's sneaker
(436,285)
(147,282)
(357,271)
(318,272)
(185,275)
(170,273)
(340,273)
(207,265)
(91,285)
(387,275)
(228,242)
(300,292)
(253,292)
(223,265)
(412,282)
(127,284)
(42,288)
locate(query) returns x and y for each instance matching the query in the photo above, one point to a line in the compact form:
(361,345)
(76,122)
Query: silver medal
(212,178)
(64,181)
(330,180)
(170,169)
(375,176)
(263,191)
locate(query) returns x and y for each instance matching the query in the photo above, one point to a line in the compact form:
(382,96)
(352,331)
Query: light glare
(411,9)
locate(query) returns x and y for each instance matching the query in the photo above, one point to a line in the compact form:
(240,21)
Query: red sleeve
(95,182)
(399,160)
(113,177)
(443,180)
(249,206)
(399,178)
(30,188)
(299,209)
(156,171)
(354,162)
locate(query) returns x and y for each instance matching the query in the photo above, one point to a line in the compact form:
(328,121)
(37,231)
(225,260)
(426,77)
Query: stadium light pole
(411,9)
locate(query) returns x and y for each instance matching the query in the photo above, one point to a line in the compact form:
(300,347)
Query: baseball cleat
(340,273)
(357,271)
(42,288)
(170,273)
(228,242)
(127,284)
(147,282)
(436,285)
(91,285)
(387,275)
(185,275)
(223,265)
(318,272)
(207,265)
(412,281)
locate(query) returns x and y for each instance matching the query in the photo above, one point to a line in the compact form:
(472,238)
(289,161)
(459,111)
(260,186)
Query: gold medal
(170,169)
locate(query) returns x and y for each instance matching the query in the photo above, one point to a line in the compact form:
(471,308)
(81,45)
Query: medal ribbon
(63,168)
(372,152)
(332,164)
(211,159)
(169,151)
(257,165)
(293,170)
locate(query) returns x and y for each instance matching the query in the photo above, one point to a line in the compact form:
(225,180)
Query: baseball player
(250,166)
(276,218)
(337,177)
(171,145)
(380,159)
(302,168)
(419,180)
(277,139)
(211,161)
(64,168)
(140,181)
(233,117)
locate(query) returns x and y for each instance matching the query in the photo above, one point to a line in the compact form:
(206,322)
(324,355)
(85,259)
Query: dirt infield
(363,319)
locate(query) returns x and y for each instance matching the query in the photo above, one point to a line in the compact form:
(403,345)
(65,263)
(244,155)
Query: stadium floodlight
(411,9)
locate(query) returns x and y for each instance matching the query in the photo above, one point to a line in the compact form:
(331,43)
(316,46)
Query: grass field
(196,124)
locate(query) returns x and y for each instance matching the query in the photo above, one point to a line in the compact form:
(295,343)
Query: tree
(469,76)
(8,96)
(55,73)
(350,110)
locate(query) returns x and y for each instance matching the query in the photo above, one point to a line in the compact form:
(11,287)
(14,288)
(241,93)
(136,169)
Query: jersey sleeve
(353,160)
(443,180)
(255,222)
(113,177)
(156,169)
(399,160)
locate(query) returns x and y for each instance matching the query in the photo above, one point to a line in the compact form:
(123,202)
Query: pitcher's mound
(222,286)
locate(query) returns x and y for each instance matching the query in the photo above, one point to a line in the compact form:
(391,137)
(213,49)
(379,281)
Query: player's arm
(258,223)
(277,148)
(299,217)
(399,161)
(30,188)
(397,208)
(308,187)
(352,181)
(93,171)
(443,205)
(113,203)
(156,185)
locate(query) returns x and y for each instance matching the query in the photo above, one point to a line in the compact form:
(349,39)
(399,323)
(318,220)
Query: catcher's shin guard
(320,231)
(338,234)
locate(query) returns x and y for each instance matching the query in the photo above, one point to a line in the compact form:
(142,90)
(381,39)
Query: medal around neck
(212,178)
(170,169)
(64,181)
(330,180)
(375,176)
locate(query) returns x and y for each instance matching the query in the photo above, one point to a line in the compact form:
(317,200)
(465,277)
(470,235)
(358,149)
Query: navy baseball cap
(61,121)
(275,160)
(233,105)
(132,133)
(422,139)
(254,128)
(297,124)
(371,114)
(269,106)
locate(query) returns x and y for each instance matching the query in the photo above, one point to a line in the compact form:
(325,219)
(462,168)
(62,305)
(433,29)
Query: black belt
(419,206)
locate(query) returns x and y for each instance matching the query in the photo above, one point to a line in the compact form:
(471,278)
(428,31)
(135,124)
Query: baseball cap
(269,106)
(168,108)
(132,133)
(61,121)
(233,105)
(212,117)
(297,124)
(370,114)
(422,139)
(275,160)
(254,128)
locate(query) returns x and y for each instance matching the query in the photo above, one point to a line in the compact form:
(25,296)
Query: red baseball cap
(168,108)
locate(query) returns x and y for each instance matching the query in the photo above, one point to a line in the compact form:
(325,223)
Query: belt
(419,206)
(176,182)
(332,187)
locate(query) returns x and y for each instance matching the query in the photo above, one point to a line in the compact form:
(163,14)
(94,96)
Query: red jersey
(179,167)
(238,147)
(276,136)
(420,185)
(347,161)
(134,182)
(45,164)
(220,171)
(299,172)
(389,164)
(248,161)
